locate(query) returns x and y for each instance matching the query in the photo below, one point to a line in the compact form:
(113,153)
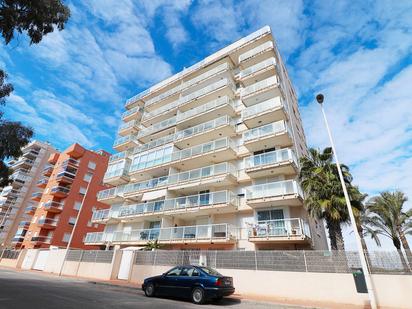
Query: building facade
(15,198)
(209,159)
(66,198)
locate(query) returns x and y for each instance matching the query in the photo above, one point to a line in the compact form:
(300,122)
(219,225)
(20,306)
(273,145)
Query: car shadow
(226,301)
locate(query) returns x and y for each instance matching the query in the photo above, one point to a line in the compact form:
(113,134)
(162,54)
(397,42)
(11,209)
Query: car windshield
(210,271)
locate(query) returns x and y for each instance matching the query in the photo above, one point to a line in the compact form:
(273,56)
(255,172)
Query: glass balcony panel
(257,67)
(266,83)
(204,108)
(255,51)
(261,107)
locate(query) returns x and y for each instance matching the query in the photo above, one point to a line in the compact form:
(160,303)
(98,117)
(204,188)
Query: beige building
(15,199)
(209,158)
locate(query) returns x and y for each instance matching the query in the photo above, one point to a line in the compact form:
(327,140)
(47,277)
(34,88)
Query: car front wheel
(198,296)
(149,290)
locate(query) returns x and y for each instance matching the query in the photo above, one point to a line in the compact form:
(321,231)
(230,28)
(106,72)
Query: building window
(91,165)
(77,205)
(89,223)
(72,220)
(87,177)
(82,190)
(66,237)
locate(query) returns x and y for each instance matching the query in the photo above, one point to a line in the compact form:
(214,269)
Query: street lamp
(320,98)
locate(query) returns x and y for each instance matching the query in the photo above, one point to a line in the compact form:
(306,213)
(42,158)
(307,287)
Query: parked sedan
(196,282)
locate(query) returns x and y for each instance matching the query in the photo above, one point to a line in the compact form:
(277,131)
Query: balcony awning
(148,196)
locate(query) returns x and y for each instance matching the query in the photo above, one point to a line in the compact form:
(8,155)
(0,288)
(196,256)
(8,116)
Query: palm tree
(389,219)
(324,195)
(152,245)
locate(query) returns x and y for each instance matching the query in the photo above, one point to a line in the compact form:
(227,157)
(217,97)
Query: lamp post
(371,293)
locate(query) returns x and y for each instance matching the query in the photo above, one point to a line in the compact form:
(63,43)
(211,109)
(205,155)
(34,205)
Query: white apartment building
(209,159)
(16,206)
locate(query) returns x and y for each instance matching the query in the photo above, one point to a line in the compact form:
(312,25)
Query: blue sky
(73,85)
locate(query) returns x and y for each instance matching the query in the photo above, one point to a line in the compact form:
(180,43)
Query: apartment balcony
(65,177)
(185,206)
(206,112)
(124,142)
(39,240)
(117,177)
(132,114)
(110,196)
(261,91)
(42,183)
(258,72)
(59,191)
(137,99)
(94,238)
(31,153)
(53,207)
(30,210)
(265,112)
(17,239)
(21,176)
(211,233)
(277,162)
(213,129)
(23,162)
(163,98)
(291,230)
(36,196)
(162,113)
(70,163)
(47,223)
(127,128)
(267,136)
(257,54)
(54,157)
(165,127)
(48,170)
(209,76)
(153,144)
(224,87)
(285,192)
(120,155)
(104,216)
(218,175)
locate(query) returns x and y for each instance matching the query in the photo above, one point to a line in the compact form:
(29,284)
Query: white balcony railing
(124,140)
(257,67)
(256,87)
(101,214)
(153,144)
(186,153)
(263,107)
(47,221)
(216,70)
(116,173)
(174,234)
(256,51)
(204,108)
(290,227)
(179,203)
(182,178)
(131,111)
(110,193)
(163,95)
(269,158)
(213,87)
(161,110)
(128,125)
(266,130)
(273,189)
(157,127)
(204,127)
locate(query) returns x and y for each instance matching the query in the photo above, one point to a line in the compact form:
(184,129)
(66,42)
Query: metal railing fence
(9,254)
(276,260)
(94,256)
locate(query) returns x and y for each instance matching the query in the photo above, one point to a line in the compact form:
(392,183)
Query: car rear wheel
(149,290)
(198,296)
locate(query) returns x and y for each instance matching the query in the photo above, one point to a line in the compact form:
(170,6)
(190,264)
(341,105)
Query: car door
(186,281)
(168,283)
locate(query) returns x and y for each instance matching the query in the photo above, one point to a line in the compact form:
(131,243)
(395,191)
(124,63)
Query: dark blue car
(196,282)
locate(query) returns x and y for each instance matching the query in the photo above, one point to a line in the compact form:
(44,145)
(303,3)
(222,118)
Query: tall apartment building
(208,159)
(16,197)
(69,185)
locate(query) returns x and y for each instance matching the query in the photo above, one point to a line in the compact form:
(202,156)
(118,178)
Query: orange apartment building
(71,178)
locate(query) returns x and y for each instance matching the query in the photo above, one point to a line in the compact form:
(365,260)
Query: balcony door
(271,222)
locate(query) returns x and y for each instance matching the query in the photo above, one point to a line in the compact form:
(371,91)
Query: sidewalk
(137,286)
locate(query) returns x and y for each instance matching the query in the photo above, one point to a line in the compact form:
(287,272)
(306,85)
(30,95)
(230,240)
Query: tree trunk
(405,246)
(397,245)
(339,237)
(332,234)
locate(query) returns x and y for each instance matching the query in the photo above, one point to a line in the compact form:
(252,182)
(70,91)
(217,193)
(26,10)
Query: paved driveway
(42,291)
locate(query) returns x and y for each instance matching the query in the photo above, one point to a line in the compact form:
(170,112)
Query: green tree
(388,218)
(324,195)
(151,245)
(36,18)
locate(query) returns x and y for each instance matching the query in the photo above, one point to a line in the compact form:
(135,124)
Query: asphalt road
(42,291)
